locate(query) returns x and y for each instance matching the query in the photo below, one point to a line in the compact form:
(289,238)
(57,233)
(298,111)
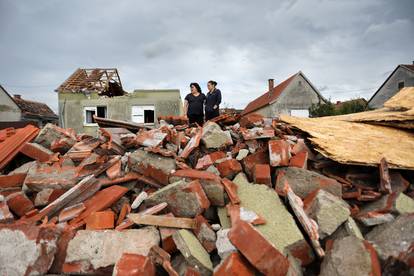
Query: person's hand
(215,106)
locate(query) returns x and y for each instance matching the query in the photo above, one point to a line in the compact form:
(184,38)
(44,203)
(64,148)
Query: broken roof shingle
(105,81)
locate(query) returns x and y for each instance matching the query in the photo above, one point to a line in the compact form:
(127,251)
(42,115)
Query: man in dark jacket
(213,100)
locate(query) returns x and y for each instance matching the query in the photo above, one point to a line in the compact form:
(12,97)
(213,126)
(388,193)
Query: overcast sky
(345,47)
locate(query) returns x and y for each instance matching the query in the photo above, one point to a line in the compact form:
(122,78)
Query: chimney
(17,96)
(271,84)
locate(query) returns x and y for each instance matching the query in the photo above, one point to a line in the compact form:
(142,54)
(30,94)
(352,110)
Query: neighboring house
(99,92)
(294,96)
(402,76)
(15,109)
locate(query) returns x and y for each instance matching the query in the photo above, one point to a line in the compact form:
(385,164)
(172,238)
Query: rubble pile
(237,196)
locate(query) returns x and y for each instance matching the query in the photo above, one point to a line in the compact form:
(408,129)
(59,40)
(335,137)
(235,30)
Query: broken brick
(251,120)
(150,138)
(229,168)
(27,249)
(260,157)
(192,144)
(152,165)
(91,252)
(208,180)
(19,203)
(37,152)
(209,159)
(205,233)
(5,215)
(299,160)
(260,253)
(134,265)
(262,174)
(279,153)
(100,220)
(234,264)
(185,199)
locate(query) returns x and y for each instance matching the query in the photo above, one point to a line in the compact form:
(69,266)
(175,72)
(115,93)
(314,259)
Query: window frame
(95,110)
(144,107)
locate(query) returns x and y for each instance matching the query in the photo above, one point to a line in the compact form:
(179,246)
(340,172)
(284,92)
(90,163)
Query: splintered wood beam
(163,221)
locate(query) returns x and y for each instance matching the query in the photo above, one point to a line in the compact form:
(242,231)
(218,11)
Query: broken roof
(32,108)
(104,81)
(271,96)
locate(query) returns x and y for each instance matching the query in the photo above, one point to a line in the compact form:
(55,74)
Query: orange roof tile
(11,142)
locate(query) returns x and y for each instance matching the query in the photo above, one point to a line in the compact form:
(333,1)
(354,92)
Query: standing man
(213,100)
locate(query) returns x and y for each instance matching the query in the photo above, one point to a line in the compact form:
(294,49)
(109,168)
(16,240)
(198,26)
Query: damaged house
(99,92)
(402,76)
(15,111)
(294,96)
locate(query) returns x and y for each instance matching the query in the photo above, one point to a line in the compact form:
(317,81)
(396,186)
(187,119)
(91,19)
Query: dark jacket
(213,98)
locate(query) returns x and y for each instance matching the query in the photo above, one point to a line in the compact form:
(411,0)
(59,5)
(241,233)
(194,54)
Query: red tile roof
(12,141)
(268,97)
(34,108)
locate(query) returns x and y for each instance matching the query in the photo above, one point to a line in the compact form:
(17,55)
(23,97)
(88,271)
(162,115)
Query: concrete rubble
(237,196)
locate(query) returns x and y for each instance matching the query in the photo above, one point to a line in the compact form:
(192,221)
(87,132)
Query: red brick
(14,180)
(115,170)
(209,159)
(203,232)
(100,220)
(279,153)
(37,152)
(19,203)
(300,160)
(262,174)
(251,120)
(134,265)
(100,201)
(260,253)
(229,168)
(231,190)
(260,157)
(234,265)
(192,144)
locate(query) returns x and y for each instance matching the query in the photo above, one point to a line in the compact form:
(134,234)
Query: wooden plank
(172,222)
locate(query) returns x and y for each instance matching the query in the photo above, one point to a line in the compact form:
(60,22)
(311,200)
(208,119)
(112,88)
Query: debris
(100,220)
(242,154)
(234,264)
(134,265)
(303,182)
(223,244)
(279,153)
(229,168)
(164,221)
(204,233)
(327,210)
(261,174)
(92,251)
(393,238)
(152,165)
(5,215)
(258,250)
(214,137)
(350,256)
(52,134)
(138,200)
(150,138)
(14,141)
(184,199)
(193,252)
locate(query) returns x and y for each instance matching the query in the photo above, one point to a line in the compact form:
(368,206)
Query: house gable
(402,73)
(9,110)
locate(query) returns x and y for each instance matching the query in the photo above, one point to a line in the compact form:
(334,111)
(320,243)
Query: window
(90,111)
(400,85)
(143,114)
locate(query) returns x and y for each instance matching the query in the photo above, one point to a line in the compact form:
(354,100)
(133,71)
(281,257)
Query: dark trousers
(199,119)
(212,114)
